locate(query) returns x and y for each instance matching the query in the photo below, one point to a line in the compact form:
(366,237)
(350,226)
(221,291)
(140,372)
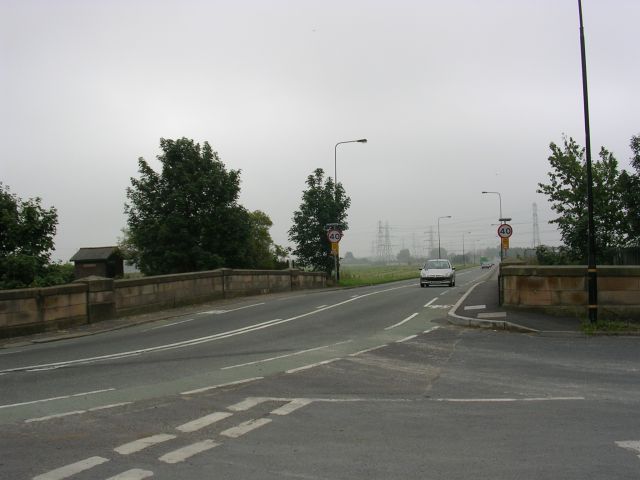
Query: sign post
(504,232)
(334,235)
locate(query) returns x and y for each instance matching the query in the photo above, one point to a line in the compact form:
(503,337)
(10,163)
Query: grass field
(354,275)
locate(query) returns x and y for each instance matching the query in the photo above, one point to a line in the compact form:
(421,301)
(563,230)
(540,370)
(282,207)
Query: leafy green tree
(630,196)
(567,192)
(187,217)
(26,240)
(404,256)
(262,252)
(323,202)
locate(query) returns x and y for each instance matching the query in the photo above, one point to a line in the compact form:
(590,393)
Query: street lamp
(336,257)
(502,219)
(447,216)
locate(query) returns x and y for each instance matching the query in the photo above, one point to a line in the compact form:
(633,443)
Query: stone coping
(41,292)
(569,270)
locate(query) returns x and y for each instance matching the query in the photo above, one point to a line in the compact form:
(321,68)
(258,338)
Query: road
(359,383)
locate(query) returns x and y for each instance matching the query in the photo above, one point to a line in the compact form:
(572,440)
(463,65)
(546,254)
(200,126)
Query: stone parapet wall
(563,289)
(93,299)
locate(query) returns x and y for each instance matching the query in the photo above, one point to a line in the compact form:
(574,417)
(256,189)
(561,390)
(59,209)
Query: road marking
(245,427)
(475,307)
(402,322)
(105,407)
(203,422)
(285,356)
(205,389)
(499,400)
(632,445)
(430,302)
(367,350)
(247,404)
(200,340)
(292,406)
(72,469)
(134,474)
(431,329)
(138,445)
(322,306)
(313,365)
(76,412)
(407,338)
(183,453)
(219,312)
(57,398)
(171,324)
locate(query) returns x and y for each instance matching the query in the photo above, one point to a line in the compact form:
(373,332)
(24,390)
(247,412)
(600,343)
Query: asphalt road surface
(343,384)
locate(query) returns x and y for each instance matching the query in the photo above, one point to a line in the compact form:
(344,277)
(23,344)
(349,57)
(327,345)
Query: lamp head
(362,140)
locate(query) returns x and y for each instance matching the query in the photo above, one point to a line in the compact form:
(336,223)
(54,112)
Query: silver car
(438,272)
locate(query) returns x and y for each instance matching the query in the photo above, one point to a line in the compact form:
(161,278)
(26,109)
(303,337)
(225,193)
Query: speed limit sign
(334,235)
(505,230)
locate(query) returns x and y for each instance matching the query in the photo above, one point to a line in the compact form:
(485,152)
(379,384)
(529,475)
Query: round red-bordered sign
(334,235)
(505,230)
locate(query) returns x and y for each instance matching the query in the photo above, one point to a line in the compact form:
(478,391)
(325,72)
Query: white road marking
(247,404)
(430,302)
(171,324)
(212,312)
(51,417)
(406,339)
(322,306)
(245,427)
(219,312)
(499,400)
(133,474)
(285,356)
(431,329)
(212,387)
(475,307)
(200,340)
(141,444)
(633,445)
(76,412)
(57,398)
(203,422)
(313,365)
(292,406)
(367,350)
(71,469)
(182,454)
(402,322)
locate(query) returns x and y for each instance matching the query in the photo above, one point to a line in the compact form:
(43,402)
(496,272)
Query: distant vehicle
(438,272)
(486,264)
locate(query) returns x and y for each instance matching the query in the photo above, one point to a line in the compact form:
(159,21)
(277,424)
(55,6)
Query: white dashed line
(245,427)
(285,356)
(212,387)
(138,445)
(367,350)
(76,412)
(313,365)
(430,302)
(69,470)
(500,400)
(203,422)
(247,404)
(292,406)
(632,445)
(322,306)
(406,339)
(402,322)
(83,394)
(134,474)
(182,454)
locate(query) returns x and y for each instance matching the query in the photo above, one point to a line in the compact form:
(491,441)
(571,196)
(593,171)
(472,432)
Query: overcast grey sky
(454,97)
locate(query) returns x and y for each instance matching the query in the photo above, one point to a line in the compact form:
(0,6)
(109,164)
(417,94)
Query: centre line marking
(285,355)
(313,365)
(499,400)
(411,337)
(403,321)
(172,324)
(183,453)
(430,302)
(71,469)
(56,398)
(367,350)
(237,382)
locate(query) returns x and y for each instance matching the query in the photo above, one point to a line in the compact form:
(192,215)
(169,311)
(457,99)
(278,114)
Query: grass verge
(611,327)
(358,275)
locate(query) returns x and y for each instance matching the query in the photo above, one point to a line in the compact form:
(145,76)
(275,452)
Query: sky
(454,97)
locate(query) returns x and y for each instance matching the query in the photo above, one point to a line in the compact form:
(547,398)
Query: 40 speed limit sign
(334,235)
(505,230)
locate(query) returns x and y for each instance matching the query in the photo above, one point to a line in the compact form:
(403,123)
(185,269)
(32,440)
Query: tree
(187,218)
(26,241)
(404,256)
(262,252)
(323,202)
(630,196)
(567,191)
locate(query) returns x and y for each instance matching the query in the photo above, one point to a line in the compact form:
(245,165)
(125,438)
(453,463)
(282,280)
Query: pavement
(480,307)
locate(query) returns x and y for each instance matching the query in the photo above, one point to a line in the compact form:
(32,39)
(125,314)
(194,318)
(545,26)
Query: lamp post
(592,272)
(336,257)
(500,219)
(447,216)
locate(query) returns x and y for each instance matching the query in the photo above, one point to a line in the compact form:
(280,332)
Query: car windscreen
(435,264)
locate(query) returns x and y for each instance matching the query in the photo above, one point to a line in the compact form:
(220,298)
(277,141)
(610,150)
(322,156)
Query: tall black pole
(592,272)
